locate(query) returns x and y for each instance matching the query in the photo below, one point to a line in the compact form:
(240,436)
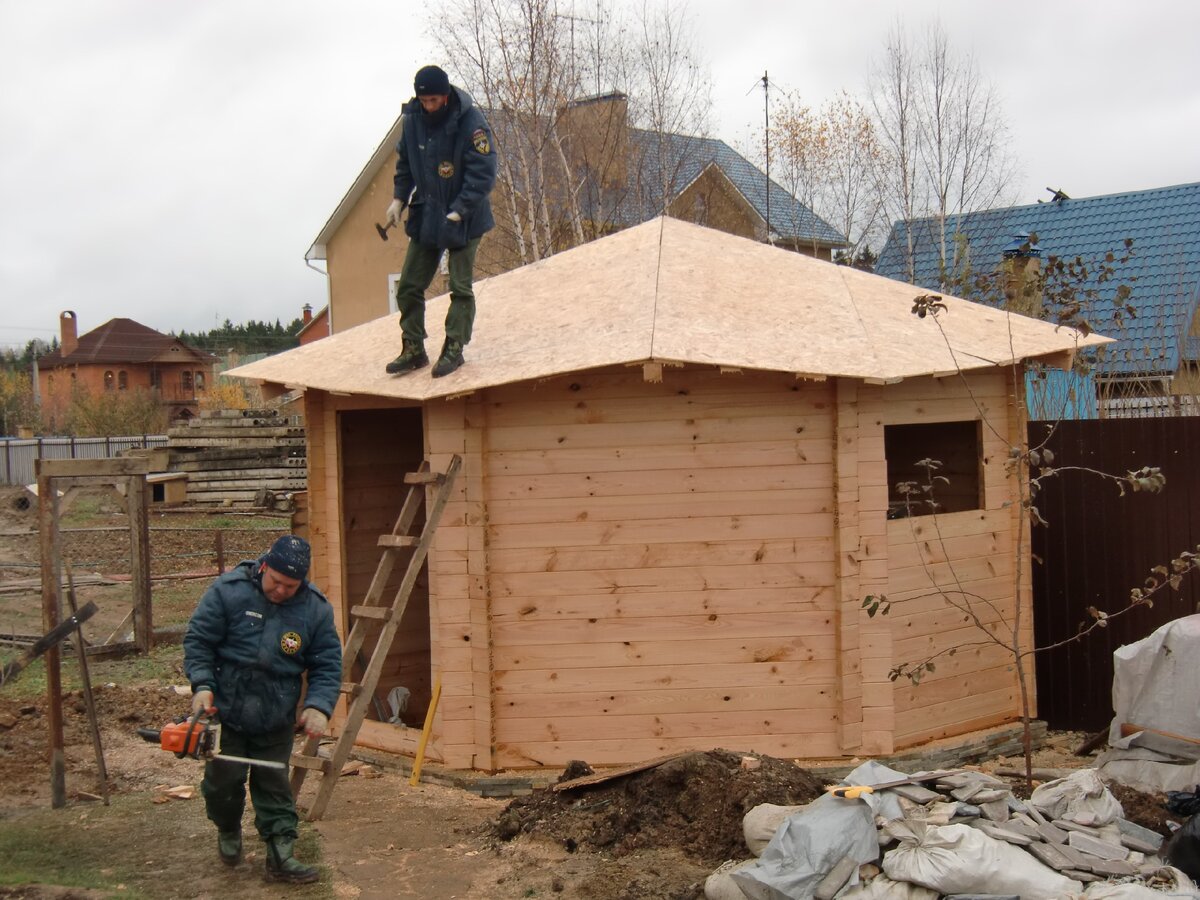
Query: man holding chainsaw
(256,632)
(445,171)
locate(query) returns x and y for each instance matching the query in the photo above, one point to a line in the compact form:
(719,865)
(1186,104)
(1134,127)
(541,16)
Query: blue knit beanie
(431,80)
(289,556)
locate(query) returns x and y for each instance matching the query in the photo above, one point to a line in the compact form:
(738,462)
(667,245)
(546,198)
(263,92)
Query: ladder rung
(352,688)
(424,478)
(316,763)
(397,540)
(383,613)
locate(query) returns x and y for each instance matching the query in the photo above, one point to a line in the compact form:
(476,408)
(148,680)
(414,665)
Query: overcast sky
(171,161)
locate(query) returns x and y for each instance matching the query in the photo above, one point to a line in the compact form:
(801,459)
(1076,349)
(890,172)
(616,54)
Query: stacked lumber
(240,457)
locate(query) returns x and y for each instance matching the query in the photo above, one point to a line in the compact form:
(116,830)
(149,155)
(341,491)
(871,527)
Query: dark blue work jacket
(444,167)
(252,652)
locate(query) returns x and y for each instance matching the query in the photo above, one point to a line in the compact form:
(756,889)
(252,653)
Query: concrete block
(1085,843)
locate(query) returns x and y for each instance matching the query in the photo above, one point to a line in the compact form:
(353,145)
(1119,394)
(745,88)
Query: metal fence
(18,456)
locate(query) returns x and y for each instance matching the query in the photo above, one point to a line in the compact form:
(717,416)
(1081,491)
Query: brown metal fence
(1099,545)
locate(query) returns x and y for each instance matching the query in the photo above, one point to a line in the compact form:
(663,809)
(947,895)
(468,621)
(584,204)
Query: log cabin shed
(677,448)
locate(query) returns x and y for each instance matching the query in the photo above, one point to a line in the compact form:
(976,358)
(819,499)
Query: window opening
(933,467)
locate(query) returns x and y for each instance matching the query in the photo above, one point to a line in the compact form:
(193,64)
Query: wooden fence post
(51,616)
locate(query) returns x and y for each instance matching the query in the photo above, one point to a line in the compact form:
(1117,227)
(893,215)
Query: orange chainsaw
(197,738)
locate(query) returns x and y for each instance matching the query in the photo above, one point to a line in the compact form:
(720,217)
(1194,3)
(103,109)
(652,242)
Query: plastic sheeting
(1153,687)
(807,847)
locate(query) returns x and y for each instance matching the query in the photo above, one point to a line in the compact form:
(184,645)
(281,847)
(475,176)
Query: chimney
(596,132)
(68,327)
(1021,266)
(307,313)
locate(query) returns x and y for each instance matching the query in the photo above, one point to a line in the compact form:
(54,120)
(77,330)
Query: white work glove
(314,722)
(453,216)
(202,702)
(393,213)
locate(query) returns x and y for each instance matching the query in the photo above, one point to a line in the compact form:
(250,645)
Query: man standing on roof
(255,632)
(445,171)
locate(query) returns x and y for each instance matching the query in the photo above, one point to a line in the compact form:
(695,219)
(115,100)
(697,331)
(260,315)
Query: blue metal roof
(1164,273)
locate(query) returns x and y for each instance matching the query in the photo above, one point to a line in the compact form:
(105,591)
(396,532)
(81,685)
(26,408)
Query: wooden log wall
(661,568)
(935,562)
(232,456)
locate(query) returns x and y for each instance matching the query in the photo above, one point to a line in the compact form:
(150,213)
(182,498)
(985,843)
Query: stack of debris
(955,833)
(244,457)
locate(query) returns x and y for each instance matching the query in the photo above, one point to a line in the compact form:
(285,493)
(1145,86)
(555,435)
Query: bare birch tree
(946,138)
(529,63)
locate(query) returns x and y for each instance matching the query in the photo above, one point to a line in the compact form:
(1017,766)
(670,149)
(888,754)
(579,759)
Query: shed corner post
(846,572)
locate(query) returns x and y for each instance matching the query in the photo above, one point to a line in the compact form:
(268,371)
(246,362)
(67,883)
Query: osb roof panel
(669,291)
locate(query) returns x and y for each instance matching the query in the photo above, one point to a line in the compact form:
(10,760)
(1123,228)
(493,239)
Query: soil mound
(694,803)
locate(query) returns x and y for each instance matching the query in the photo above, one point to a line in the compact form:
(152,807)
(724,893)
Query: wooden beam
(119,467)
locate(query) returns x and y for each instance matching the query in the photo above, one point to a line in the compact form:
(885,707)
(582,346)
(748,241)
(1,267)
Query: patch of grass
(175,601)
(163,665)
(137,848)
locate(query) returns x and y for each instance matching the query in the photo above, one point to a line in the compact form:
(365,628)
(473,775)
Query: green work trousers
(420,265)
(224,784)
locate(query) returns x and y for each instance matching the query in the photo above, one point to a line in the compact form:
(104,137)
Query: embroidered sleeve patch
(479,138)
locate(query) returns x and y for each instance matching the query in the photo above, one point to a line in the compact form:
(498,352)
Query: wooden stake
(51,572)
(433,702)
(88,699)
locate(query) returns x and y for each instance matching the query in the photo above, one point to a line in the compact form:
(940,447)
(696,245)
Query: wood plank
(601,777)
(704,726)
(625,750)
(787,600)
(536,585)
(663,628)
(632,436)
(684,553)
(636,481)
(529,685)
(710,528)
(681,651)
(805,501)
(540,461)
(618,701)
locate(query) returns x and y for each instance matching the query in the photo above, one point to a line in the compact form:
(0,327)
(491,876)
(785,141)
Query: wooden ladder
(360,694)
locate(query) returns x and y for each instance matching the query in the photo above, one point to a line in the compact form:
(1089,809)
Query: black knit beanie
(289,556)
(431,80)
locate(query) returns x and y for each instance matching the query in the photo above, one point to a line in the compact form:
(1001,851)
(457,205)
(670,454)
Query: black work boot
(412,356)
(282,866)
(450,359)
(229,846)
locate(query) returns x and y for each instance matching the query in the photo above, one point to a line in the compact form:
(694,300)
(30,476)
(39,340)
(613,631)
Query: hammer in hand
(383,229)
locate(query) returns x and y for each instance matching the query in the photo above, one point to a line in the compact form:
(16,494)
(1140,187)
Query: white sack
(883,888)
(760,824)
(807,847)
(720,884)
(1080,797)
(958,859)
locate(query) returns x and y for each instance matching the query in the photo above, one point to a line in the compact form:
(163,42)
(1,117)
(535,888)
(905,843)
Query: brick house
(619,175)
(123,355)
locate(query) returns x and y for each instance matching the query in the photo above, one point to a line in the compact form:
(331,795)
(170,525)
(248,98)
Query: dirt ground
(653,835)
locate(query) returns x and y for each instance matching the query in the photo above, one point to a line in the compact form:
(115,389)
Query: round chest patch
(446,169)
(290,643)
